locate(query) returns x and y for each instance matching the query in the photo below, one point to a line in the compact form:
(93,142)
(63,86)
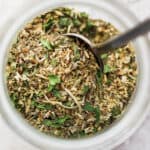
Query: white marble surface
(9,10)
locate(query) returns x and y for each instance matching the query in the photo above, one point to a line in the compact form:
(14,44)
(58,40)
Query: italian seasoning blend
(55,82)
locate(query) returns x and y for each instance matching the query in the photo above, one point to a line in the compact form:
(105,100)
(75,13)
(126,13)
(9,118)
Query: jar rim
(100,140)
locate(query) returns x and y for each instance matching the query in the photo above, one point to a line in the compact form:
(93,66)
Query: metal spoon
(115,42)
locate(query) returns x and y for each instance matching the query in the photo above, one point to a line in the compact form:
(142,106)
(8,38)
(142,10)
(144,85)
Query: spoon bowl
(113,43)
(90,45)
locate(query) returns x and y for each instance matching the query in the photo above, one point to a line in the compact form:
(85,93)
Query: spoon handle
(121,40)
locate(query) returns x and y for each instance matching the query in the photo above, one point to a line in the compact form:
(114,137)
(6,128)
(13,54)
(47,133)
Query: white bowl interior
(120,17)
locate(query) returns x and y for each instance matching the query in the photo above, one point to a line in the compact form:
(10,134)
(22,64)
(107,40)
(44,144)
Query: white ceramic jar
(123,19)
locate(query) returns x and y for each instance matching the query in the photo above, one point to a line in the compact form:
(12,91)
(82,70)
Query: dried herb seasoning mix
(55,82)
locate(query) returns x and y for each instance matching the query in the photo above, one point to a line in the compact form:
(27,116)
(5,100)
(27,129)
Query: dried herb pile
(55,82)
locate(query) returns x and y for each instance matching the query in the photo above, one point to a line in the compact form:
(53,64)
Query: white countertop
(9,10)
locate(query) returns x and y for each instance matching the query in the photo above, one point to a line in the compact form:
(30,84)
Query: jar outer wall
(122,19)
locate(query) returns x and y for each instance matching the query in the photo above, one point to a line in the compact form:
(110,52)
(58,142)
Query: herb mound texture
(55,82)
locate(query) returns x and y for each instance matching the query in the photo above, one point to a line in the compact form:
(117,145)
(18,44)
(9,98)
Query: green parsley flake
(95,110)
(46,44)
(48,25)
(107,69)
(85,89)
(41,106)
(50,87)
(99,77)
(58,122)
(64,22)
(54,79)
(56,93)
(90,27)
(84,15)
(76,22)
(116,111)
(76,53)
(104,56)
